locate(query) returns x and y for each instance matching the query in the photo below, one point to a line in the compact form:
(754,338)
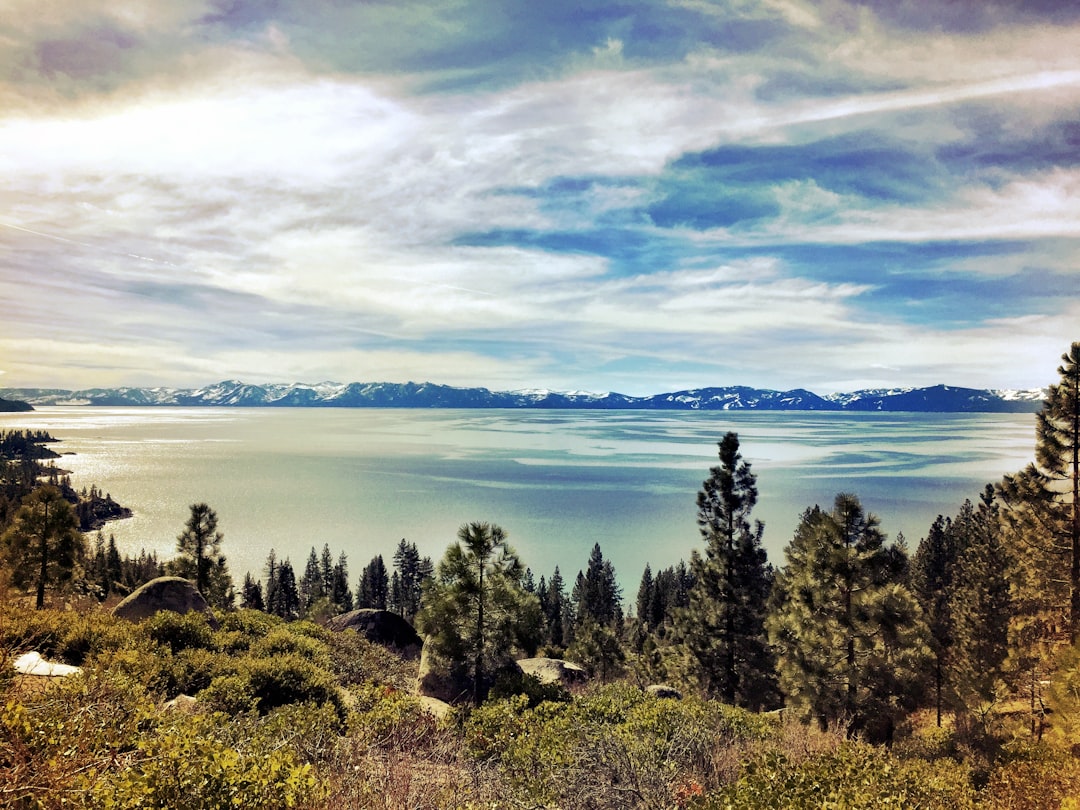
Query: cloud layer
(639,196)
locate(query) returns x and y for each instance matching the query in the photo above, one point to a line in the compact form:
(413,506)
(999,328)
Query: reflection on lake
(557,481)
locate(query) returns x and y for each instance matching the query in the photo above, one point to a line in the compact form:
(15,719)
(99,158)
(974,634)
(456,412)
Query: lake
(556,481)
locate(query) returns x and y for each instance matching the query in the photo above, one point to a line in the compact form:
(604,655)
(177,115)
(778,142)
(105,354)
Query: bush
(180,631)
(286,640)
(1032,777)
(291,679)
(389,719)
(355,660)
(853,777)
(612,747)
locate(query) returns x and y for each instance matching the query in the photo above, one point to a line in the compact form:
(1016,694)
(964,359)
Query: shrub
(612,747)
(855,776)
(285,640)
(290,679)
(355,660)
(389,719)
(180,631)
(1032,777)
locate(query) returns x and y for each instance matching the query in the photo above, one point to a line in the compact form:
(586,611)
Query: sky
(637,196)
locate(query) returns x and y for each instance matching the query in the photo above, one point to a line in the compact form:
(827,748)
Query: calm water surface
(362,479)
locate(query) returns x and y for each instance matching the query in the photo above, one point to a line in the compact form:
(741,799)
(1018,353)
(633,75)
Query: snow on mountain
(234,393)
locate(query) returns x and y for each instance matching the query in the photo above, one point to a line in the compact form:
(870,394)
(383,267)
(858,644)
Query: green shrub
(615,746)
(190,764)
(230,694)
(290,679)
(1032,777)
(855,776)
(286,640)
(508,684)
(389,719)
(180,631)
(250,623)
(355,660)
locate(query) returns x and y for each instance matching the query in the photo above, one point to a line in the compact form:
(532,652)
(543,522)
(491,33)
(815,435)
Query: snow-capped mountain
(234,393)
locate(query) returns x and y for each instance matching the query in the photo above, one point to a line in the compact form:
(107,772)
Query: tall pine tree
(720,637)
(850,637)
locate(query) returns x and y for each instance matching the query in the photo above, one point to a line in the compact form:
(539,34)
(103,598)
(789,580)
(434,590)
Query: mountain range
(233,393)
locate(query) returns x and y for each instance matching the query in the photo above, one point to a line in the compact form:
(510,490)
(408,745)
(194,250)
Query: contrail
(89,245)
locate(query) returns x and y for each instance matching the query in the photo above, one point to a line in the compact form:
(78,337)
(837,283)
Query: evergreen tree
(326,570)
(596,594)
(288,595)
(311,587)
(720,638)
(201,559)
(555,613)
(981,606)
(114,566)
(931,581)
(340,594)
(646,597)
(273,597)
(374,588)
(251,594)
(1043,500)
(476,613)
(43,545)
(412,573)
(850,638)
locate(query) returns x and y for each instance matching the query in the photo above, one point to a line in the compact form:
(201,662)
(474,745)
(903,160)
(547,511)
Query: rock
(32,663)
(439,709)
(553,670)
(435,680)
(381,627)
(662,690)
(164,593)
(185,704)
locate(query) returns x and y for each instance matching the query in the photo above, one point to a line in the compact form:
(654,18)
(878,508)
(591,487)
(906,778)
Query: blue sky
(630,196)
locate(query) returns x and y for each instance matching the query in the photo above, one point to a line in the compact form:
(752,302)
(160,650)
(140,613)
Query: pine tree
(1043,501)
(273,585)
(981,606)
(288,602)
(597,595)
(721,636)
(476,613)
(374,588)
(311,587)
(412,573)
(932,584)
(251,594)
(43,546)
(340,594)
(201,560)
(555,614)
(851,642)
(326,570)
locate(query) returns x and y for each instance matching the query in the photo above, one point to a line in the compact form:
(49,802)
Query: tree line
(850,629)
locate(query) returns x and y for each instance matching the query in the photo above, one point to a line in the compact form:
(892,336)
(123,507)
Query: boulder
(436,680)
(184,704)
(381,627)
(439,709)
(164,593)
(553,670)
(662,690)
(32,663)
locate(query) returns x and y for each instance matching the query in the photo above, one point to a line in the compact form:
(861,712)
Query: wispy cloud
(630,197)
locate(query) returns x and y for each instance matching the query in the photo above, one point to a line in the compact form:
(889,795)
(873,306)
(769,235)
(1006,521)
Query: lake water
(557,481)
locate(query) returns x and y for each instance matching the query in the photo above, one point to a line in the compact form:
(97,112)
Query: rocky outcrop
(553,670)
(435,679)
(164,593)
(381,627)
(32,663)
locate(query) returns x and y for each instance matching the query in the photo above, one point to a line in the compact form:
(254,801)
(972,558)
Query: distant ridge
(14,406)
(233,393)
